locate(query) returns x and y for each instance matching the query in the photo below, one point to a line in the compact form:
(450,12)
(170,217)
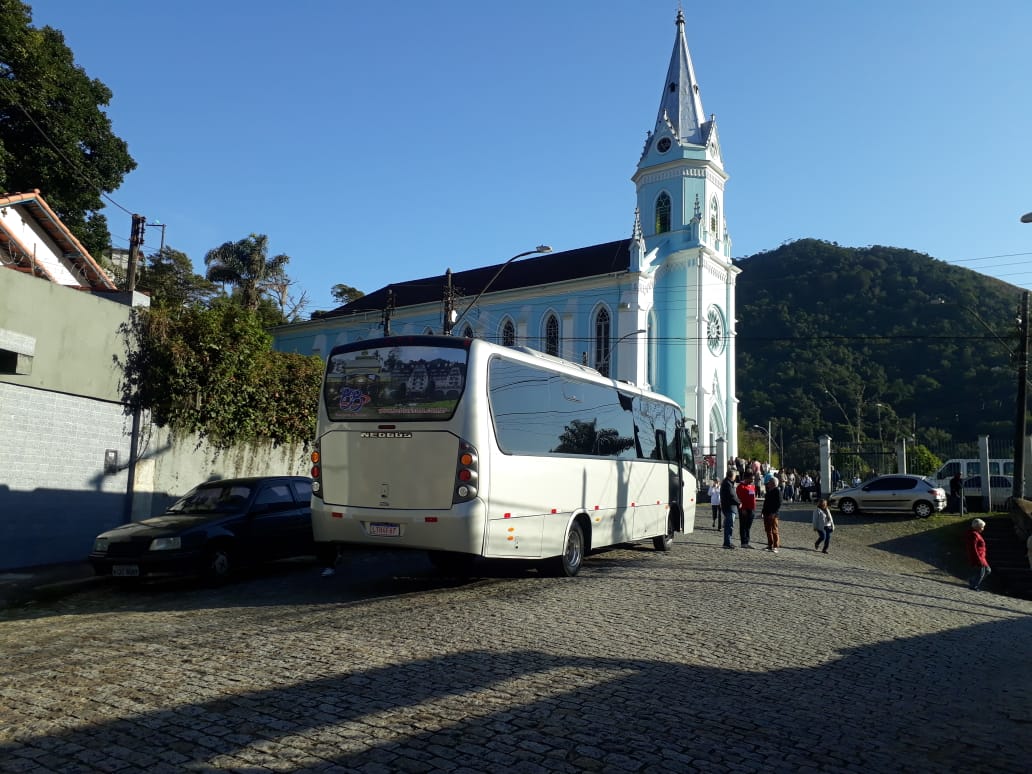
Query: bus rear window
(399,383)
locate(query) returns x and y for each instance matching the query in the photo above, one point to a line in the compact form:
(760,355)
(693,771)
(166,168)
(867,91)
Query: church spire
(681,104)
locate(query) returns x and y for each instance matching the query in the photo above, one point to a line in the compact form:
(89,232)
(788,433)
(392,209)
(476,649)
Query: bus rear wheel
(569,562)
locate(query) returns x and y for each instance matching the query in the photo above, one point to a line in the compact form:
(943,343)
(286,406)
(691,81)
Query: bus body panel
(625,503)
(395,469)
(460,528)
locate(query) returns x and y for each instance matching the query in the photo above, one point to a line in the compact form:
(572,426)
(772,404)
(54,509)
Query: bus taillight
(316,473)
(467,474)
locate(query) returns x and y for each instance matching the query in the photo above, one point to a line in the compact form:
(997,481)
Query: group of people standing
(735,500)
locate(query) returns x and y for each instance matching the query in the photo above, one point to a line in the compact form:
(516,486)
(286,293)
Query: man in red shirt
(746,492)
(976,554)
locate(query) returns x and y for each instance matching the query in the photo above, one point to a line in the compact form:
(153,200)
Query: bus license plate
(125,571)
(384,529)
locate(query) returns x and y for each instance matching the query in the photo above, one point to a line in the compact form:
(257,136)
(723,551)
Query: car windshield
(213,498)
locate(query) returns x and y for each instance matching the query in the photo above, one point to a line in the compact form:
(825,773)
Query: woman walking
(823,525)
(771,508)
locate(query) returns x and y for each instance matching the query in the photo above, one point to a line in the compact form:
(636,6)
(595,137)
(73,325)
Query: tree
(211,370)
(169,277)
(54,134)
(345,294)
(246,265)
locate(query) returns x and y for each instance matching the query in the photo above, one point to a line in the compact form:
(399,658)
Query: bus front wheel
(569,562)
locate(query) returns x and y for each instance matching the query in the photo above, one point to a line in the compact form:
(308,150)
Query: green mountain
(867,344)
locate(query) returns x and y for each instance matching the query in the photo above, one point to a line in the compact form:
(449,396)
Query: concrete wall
(65,440)
(75,336)
(168,467)
(58,492)
(55,495)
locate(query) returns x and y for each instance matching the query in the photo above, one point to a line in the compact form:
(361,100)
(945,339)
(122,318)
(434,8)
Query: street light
(1027,217)
(161,250)
(538,249)
(605,360)
(769,441)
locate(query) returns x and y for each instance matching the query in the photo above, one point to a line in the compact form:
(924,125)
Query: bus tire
(663,542)
(569,562)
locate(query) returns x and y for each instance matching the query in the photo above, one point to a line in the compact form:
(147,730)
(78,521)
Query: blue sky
(379,142)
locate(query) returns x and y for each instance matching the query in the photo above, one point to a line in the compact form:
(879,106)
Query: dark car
(892,493)
(212,530)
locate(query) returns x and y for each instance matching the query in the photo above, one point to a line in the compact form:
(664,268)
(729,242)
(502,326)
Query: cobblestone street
(701,659)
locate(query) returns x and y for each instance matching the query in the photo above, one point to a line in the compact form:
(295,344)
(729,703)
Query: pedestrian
(806,487)
(976,555)
(823,524)
(328,555)
(771,508)
(746,492)
(729,505)
(714,498)
(956,493)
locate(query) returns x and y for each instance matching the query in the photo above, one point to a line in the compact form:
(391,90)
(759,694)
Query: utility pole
(135,243)
(449,304)
(1021,423)
(388,310)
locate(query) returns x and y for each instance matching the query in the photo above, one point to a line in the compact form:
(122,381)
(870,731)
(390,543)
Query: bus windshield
(395,383)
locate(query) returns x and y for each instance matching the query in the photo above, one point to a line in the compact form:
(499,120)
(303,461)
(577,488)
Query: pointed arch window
(663,213)
(552,335)
(508,334)
(603,350)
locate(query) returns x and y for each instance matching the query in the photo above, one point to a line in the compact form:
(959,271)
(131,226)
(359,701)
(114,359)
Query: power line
(75,168)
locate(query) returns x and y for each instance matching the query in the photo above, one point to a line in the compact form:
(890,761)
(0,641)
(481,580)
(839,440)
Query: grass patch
(937,541)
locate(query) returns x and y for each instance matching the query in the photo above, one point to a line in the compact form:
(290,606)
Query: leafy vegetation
(54,133)
(872,344)
(211,370)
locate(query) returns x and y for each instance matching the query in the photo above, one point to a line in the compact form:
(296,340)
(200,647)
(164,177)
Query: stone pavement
(697,660)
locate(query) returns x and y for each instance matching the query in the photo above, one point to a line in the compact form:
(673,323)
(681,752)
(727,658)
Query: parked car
(892,493)
(1000,488)
(214,528)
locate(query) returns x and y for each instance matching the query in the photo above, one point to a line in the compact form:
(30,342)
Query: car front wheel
(922,509)
(218,564)
(848,507)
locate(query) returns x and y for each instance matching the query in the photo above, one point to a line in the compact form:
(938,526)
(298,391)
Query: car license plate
(125,571)
(384,529)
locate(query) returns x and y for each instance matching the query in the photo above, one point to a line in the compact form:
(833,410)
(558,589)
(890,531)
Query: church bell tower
(680,182)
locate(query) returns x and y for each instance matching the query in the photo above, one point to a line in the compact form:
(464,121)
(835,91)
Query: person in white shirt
(714,498)
(823,525)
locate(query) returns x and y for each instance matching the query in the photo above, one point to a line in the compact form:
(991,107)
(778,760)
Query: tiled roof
(530,272)
(72,250)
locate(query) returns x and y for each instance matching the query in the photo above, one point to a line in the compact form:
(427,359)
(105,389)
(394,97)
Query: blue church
(657,309)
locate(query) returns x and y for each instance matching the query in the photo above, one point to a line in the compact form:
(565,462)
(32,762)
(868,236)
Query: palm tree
(246,265)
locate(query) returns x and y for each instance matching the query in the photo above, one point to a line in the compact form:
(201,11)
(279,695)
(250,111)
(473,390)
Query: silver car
(895,493)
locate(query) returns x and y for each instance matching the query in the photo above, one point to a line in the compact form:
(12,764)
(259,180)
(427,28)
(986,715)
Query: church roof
(681,104)
(582,262)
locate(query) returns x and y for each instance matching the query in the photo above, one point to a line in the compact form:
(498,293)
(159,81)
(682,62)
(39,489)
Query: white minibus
(466,449)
